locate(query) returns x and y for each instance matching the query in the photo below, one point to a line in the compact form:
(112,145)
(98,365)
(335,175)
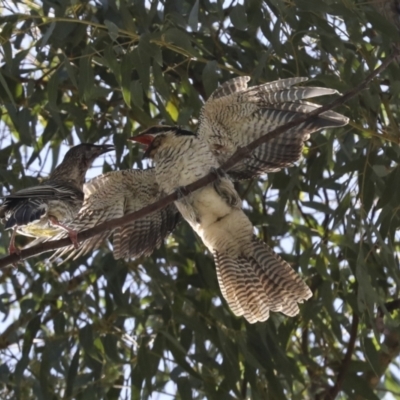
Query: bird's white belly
(203,207)
(218,224)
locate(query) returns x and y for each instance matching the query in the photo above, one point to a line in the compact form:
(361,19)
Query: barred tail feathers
(258,282)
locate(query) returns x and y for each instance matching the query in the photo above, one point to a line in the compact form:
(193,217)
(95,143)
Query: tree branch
(239,155)
(344,365)
(390,348)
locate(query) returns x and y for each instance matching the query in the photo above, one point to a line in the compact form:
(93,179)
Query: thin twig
(239,155)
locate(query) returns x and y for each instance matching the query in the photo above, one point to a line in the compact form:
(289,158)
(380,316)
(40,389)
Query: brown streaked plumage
(44,210)
(114,195)
(253,279)
(236,115)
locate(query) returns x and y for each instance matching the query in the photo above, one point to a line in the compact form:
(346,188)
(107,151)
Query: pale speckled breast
(182,163)
(179,165)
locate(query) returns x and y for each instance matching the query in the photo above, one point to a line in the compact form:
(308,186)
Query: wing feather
(28,205)
(236,115)
(114,195)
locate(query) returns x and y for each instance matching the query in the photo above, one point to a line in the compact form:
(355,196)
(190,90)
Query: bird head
(85,153)
(158,136)
(78,160)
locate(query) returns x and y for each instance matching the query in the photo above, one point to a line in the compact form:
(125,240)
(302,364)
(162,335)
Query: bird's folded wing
(48,191)
(236,115)
(41,191)
(22,211)
(30,204)
(114,195)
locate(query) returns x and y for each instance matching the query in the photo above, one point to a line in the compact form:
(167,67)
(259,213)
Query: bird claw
(13,250)
(73,235)
(218,172)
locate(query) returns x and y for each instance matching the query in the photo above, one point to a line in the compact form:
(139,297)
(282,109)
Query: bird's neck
(71,173)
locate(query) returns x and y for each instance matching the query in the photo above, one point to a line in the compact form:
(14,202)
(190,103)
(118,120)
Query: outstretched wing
(236,115)
(30,204)
(114,195)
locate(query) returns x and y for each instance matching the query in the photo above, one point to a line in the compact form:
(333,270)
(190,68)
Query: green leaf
(160,85)
(210,77)
(113,30)
(184,388)
(141,62)
(193,19)
(71,72)
(47,35)
(86,78)
(24,129)
(181,39)
(30,334)
(52,90)
(371,355)
(87,340)
(126,70)
(137,93)
(238,17)
(72,374)
(5,86)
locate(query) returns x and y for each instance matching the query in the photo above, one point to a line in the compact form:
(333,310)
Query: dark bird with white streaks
(44,210)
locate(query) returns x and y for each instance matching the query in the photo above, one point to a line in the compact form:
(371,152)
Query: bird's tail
(258,282)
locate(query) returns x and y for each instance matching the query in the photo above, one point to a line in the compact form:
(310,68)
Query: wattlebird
(44,210)
(114,195)
(253,279)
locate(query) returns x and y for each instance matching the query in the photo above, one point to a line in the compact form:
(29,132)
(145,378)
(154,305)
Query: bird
(253,278)
(44,210)
(113,195)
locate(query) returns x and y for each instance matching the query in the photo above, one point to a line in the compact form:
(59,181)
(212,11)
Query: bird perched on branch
(253,279)
(114,195)
(44,210)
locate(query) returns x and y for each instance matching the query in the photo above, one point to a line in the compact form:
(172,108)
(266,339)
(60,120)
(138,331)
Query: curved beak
(105,148)
(143,138)
(146,139)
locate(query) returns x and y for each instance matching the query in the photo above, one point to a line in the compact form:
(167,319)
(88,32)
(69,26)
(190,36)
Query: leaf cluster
(96,328)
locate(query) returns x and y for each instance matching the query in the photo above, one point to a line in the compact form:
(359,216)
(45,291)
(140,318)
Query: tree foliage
(96,328)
